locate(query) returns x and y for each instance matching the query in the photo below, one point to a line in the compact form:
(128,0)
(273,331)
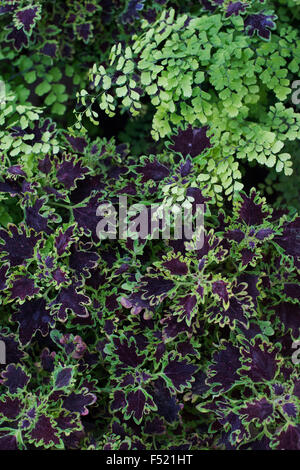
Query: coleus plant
(116,344)
(119,344)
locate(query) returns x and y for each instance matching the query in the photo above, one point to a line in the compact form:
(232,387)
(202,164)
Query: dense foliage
(145,343)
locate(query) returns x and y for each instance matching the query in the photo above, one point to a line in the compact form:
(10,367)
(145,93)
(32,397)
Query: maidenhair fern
(229,72)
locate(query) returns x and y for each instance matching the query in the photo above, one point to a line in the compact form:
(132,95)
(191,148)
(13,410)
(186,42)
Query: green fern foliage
(207,71)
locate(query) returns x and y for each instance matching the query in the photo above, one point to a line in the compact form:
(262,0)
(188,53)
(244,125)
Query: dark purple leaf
(156,426)
(18,37)
(153,171)
(192,141)
(13,352)
(78,402)
(259,409)
(35,220)
(3,278)
(27,17)
(14,378)
(220,288)
(84,31)
(86,216)
(63,378)
(260,23)
(18,246)
(64,239)
(69,171)
(127,353)
(23,287)
(32,316)
(261,362)
(119,400)
(290,238)
(289,316)
(49,49)
(264,233)
(44,432)
(250,211)
(136,402)
(180,373)
(175,266)
(235,8)
(289,439)
(83,261)
(186,307)
(78,144)
(10,407)
(166,403)
(132,10)
(290,409)
(8,442)
(223,373)
(70,300)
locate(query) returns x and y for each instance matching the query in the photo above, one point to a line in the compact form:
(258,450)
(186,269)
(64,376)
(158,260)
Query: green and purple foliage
(149,344)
